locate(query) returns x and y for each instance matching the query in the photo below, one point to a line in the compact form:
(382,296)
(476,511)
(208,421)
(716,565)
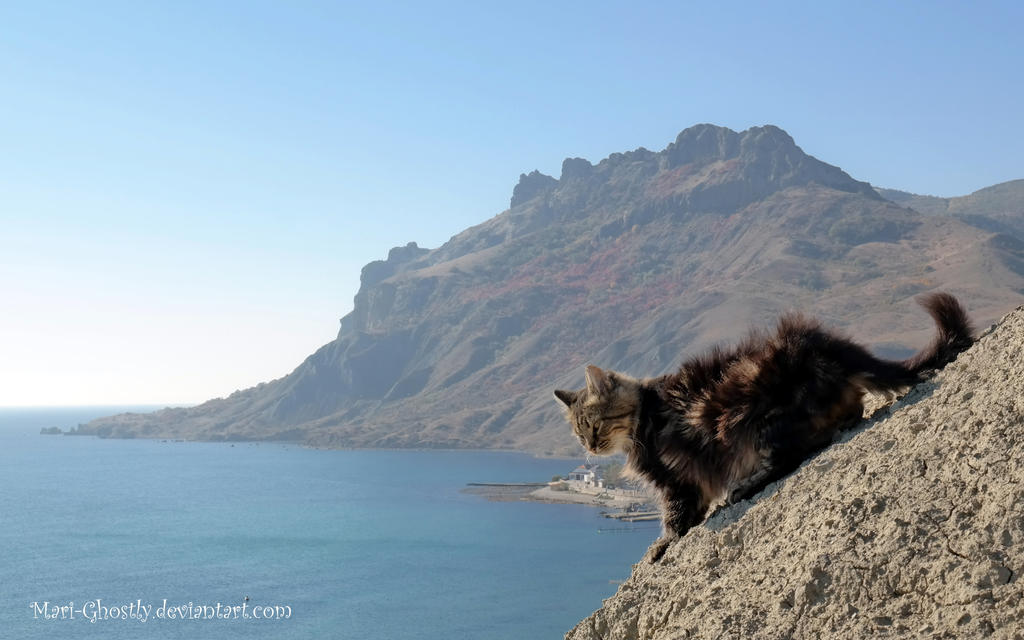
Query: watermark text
(138,610)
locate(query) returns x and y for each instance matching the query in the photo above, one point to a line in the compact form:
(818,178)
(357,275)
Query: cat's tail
(953,335)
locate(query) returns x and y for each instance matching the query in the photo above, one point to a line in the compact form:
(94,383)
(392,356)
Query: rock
(408,253)
(530,186)
(379,270)
(703,143)
(575,168)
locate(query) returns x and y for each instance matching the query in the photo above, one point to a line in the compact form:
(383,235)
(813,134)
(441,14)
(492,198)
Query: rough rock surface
(911,526)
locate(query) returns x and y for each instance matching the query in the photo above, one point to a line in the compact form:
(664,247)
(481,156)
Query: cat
(733,420)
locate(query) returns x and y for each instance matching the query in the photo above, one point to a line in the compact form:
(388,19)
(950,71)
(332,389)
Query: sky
(188,190)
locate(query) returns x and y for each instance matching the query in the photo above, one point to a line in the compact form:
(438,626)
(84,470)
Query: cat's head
(604,414)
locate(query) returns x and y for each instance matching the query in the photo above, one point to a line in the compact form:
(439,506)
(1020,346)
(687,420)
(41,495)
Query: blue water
(368,545)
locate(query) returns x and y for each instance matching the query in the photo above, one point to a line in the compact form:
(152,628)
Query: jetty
(503,491)
(634,516)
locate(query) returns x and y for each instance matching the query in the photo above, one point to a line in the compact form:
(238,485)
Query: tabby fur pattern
(733,420)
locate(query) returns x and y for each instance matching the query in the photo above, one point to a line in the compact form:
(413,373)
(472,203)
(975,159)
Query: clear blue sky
(188,190)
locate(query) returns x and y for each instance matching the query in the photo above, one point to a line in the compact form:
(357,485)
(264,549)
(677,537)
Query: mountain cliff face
(630,263)
(912,527)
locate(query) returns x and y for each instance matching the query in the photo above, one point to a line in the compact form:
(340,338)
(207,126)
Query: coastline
(547,494)
(542,492)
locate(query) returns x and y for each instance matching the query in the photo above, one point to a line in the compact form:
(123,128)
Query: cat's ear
(567,397)
(598,380)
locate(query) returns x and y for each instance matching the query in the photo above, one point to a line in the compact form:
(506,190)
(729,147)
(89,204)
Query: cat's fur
(733,420)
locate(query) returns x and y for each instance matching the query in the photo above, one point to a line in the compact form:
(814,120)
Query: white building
(586,477)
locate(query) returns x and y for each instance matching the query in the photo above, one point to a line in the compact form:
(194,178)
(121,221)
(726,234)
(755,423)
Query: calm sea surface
(362,545)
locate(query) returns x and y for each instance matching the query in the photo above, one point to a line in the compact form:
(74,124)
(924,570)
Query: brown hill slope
(912,527)
(999,208)
(630,263)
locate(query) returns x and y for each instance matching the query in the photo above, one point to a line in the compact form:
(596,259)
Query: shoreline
(540,492)
(321,447)
(315,447)
(547,494)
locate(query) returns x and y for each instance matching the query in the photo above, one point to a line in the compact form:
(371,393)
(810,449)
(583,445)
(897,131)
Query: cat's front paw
(658,549)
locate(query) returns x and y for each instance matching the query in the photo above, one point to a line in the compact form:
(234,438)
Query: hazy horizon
(136,405)
(190,190)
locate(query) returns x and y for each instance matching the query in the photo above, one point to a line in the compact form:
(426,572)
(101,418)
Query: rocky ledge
(910,526)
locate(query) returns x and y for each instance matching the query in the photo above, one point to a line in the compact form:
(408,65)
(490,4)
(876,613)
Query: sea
(162,539)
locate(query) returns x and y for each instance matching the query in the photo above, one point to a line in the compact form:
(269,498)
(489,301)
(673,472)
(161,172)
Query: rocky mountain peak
(575,168)
(409,252)
(530,186)
(379,270)
(706,143)
(701,144)
(707,167)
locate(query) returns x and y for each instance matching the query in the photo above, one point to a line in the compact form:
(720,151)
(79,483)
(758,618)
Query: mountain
(912,527)
(630,263)
(999,208)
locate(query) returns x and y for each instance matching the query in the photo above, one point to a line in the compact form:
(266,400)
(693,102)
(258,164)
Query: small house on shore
(586,476)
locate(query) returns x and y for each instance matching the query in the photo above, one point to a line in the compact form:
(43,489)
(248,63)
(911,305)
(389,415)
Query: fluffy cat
(733,420)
